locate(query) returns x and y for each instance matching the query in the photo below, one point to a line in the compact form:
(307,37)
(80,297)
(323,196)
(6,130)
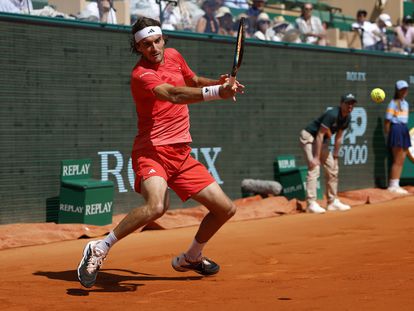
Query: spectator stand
(335,20)
(290,10)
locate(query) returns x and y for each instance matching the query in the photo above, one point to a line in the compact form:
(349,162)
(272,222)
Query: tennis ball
(377,95)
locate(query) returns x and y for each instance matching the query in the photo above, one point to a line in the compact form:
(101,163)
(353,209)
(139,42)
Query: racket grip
(232,79)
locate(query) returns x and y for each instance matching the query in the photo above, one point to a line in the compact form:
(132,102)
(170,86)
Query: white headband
(146,32)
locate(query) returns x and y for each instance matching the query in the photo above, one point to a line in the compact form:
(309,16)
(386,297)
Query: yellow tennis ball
(377,95)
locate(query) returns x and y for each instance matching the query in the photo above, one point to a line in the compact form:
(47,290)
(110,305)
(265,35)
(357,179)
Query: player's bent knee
(231,210)
(155,210)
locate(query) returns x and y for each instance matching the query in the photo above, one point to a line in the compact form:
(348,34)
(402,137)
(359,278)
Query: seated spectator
(225,18)
(16,6)
(383,21)
(49,11)
(310,26)
(237,4)
(292,35)
(283,31)
(262,25)
(99,11)
(404,36)
(189,14)
(171,18)
(253,12)
(208,23)
(248,26)
(367,31)
(256,8)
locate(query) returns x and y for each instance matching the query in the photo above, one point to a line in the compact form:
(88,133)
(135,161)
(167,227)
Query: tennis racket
(238,54)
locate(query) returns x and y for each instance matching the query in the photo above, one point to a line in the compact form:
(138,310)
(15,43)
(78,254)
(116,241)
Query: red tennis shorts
(184,174)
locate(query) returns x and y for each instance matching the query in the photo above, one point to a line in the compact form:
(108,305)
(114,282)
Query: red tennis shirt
(160,122)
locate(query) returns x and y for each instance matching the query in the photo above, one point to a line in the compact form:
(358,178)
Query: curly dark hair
(141,23)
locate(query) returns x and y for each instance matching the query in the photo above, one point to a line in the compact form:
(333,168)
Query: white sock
(108,242)
(193,254)
(394,183)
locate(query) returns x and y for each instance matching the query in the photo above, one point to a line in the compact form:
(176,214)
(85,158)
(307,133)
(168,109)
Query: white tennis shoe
(337,205)
(315,208)
(398,190)
(90,264)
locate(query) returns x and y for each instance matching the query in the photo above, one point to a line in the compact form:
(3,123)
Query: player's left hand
(229,91)
(225,79)
(237,87)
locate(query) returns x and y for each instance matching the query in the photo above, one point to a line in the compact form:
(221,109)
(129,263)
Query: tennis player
(162,86)
(315,140)
(395,125)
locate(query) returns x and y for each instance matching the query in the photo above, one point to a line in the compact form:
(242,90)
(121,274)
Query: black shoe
(204,267)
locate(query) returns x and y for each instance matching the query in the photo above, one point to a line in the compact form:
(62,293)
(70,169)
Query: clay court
(357,260)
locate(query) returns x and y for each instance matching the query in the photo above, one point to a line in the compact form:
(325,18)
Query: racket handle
(232,79)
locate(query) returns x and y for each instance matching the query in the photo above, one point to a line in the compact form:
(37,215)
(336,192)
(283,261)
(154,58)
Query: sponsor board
(124,174)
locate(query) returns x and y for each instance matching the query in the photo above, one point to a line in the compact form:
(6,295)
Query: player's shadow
(110,282)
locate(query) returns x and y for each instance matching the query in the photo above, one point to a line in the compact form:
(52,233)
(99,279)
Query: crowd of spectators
(381,36)
(218,17)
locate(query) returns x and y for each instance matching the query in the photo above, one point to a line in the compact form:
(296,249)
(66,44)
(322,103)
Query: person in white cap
(315,141)
(262,25)
(162,86)
(396,120)
(282,30)
(383,22)
(226,24)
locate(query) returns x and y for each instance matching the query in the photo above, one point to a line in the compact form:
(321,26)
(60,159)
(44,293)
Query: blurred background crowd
(376,25)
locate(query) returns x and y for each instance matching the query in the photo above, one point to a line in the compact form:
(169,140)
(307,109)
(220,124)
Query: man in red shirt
(162,86)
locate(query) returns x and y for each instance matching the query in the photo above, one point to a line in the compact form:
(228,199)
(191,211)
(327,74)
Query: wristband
(211,92)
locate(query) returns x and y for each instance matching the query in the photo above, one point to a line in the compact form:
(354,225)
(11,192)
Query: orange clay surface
(362,259)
